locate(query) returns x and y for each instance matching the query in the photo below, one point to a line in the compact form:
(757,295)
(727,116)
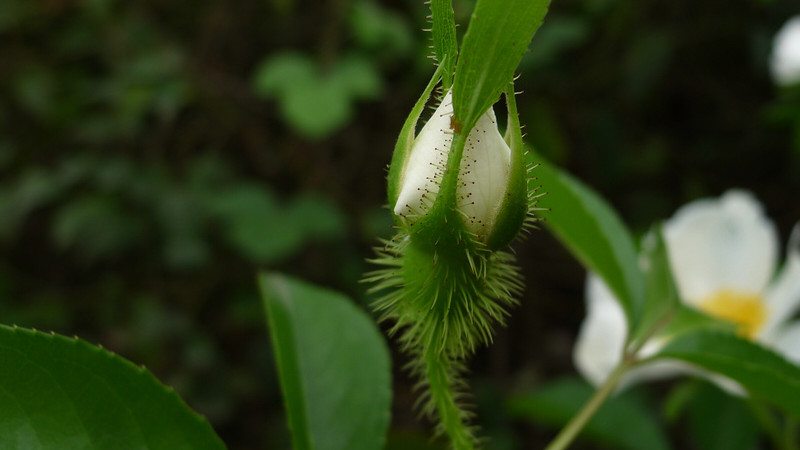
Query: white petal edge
(725,243)
(788,342)
(600,342)
(783,296)
(784,61)
(421,176)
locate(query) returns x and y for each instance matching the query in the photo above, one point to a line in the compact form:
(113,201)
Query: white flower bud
(785,58)
(483,174)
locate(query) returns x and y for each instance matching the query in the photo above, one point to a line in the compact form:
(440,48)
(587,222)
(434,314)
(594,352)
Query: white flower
(723,254)
(785,58)
(483,174)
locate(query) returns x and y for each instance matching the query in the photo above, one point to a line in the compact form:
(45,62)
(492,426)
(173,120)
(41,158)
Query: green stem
(451,416)
(574,427)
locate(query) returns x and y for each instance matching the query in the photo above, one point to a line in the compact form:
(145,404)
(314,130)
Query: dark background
(154,155)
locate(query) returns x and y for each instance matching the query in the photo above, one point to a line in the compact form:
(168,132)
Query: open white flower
(785,59)
(723,254)
(483,174)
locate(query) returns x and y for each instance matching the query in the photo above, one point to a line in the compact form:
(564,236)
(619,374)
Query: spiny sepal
(448,298)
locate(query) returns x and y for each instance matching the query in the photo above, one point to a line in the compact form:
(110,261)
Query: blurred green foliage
(153,155)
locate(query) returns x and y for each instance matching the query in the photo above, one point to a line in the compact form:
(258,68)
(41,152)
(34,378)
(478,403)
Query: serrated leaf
(498,35)
(332,363)
(557,402)
(445,47)
(593,232)
(59,393)
(763,373)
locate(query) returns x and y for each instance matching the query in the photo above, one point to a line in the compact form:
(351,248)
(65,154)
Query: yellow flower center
(744,309)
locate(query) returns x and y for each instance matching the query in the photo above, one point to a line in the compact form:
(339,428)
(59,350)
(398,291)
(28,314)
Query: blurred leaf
(661,293)
(34,189)
(317,110)
(558,34)
(721,422)
(61,393)
(593,232)
(35,90)
(646,62)
(623,422)
(283,72)
(317,104)
(763,373)
(183,224)
(252,222)
(96,226)
(317,217)
(685,318)
(333,366)
(679,398)
(488,57)
(378,28)
(358,77)
(265,230)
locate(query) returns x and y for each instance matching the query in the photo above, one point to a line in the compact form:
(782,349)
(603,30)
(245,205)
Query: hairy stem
(451,416)
(574,427)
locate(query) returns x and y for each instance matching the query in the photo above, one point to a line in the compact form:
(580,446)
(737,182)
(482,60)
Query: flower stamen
(746,310)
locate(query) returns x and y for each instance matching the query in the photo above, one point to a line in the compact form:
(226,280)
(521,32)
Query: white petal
(788,342)
(484,171)
(601,338)
(783,296)
(721,243)
(785,58)
(422,174)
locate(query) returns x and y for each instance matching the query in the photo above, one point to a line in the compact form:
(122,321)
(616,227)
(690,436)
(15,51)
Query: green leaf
(358,77)
(283,72)
(661,293)
(60,393)
(96,226)
(317,109)
(260,227)
(313,104)
(557,402)
(721,422)
(332,363)
(379,28)
(499,33)
(590,228)
(445,47)
(763,373)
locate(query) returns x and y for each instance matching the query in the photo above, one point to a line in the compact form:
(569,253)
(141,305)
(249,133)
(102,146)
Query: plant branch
(574,427)
(451,415)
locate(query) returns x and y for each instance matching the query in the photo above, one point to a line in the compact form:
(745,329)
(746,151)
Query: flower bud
(485,187)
